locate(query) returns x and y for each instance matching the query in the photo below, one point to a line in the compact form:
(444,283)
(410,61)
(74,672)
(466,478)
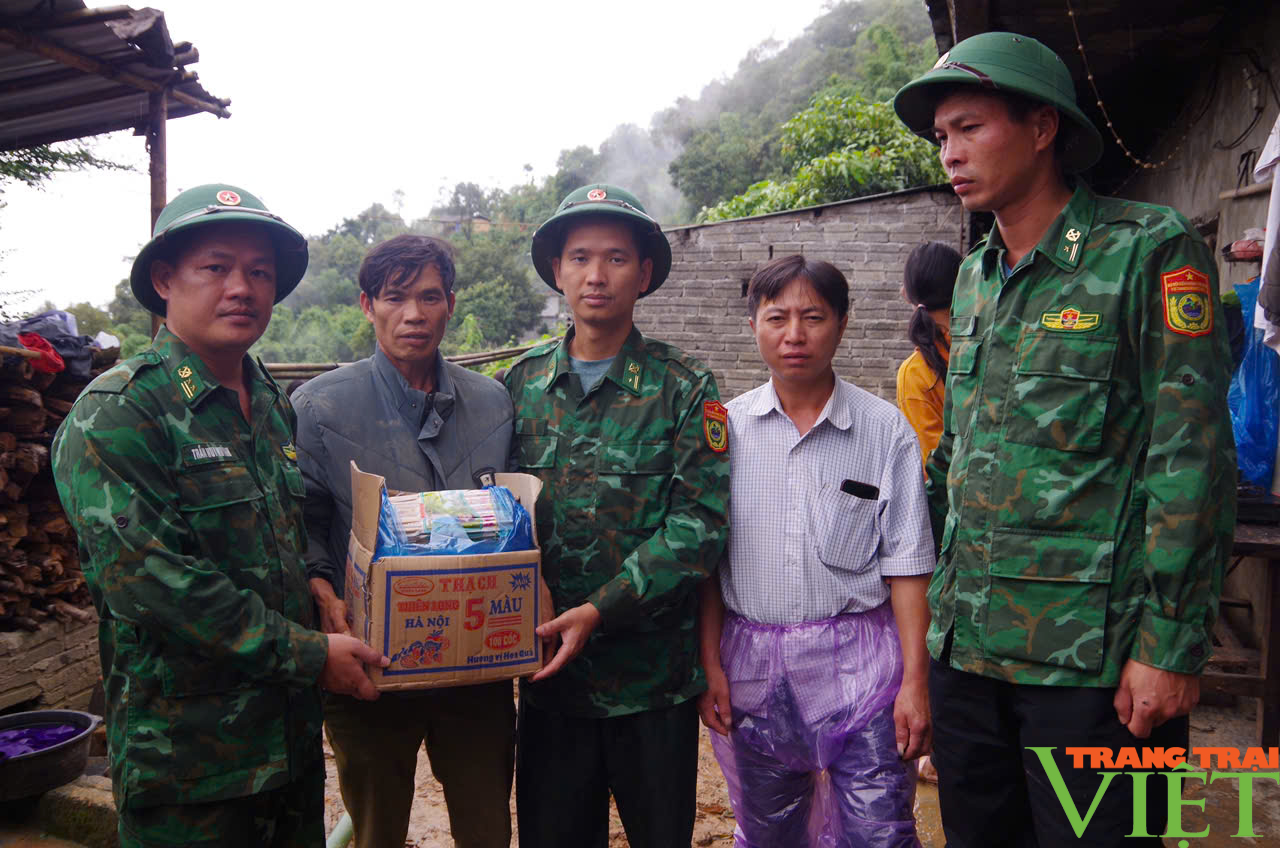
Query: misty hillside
(796,124)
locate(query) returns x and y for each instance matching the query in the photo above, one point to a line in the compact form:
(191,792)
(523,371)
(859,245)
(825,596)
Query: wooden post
(159,109)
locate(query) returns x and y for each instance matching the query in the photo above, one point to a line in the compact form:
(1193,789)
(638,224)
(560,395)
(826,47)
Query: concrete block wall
(55,667)
(702,306)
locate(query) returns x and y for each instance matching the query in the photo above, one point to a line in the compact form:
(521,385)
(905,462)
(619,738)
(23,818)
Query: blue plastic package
(451,522)
(1254,399)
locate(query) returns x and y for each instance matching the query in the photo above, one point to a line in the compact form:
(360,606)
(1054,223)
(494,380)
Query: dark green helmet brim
(602,199)
(1003,61)
(207,204)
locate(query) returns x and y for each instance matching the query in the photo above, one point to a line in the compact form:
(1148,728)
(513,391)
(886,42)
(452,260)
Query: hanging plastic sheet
(1254,400)
(812,759)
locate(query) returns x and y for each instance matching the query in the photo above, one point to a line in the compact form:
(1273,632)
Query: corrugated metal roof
(67,71)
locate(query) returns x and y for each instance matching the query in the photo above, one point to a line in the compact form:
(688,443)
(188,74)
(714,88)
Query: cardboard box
(443,620)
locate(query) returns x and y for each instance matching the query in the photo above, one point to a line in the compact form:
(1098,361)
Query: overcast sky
(337,105)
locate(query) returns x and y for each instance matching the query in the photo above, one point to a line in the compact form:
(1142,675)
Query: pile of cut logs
(39,565)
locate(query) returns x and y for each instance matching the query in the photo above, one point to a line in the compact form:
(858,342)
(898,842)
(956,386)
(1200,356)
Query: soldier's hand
(713,704)
(912,721)
(573,627)
(332,609)
(548,605)
(1147,697)
(344,667)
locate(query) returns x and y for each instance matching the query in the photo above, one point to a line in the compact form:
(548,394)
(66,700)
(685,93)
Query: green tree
(468,200)
(316,334)
(499,254)
(887,61)
(721,159)
(576,167)
(373,225)
(728,134)
(130,321)
(504,311)
(494,286)
(838,148)
(33,166)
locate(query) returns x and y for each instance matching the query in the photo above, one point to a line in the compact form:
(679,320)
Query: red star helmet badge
(596,194)
(227,197)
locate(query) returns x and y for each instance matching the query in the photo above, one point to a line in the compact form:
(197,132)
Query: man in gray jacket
(423,424)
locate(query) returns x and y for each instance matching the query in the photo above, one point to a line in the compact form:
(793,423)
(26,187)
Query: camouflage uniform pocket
(297,487)
(537,452)
(1048,599)
(633,480)
(214,486)
(846,529)
(293,481)
(962,382)
(226,512)
(1058,398)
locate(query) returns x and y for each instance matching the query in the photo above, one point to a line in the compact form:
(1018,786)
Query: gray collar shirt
(366,412)
(802,545)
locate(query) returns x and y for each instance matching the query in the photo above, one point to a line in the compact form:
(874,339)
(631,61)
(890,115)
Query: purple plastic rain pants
(812,759)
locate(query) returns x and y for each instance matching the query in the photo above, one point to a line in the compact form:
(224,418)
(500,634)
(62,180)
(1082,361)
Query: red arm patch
(1188,302)
(715,423)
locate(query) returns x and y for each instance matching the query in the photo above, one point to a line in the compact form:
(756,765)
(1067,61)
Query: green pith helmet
(214,204)
(602,199)
(1004,61)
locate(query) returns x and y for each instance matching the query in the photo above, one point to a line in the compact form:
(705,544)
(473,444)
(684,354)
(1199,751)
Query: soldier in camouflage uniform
(630,441)
(178,470)
(1083,490)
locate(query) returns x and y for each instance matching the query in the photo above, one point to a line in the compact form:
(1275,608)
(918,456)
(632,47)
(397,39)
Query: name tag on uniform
(202,454)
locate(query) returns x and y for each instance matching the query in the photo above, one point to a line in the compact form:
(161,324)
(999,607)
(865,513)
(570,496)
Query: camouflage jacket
(191,539)
(632,517)
(1083,491)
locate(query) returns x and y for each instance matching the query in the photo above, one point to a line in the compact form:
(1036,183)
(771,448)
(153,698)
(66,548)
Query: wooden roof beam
(77,17)
(98,95)
(88,129)
(46,78)
(43,47)
(969,17)
(940,19)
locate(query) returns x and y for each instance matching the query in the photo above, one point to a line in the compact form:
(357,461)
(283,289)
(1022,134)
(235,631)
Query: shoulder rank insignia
(1070,319)
(632,375)
(715,422)
(289,451)
(1071,244)
(1188,310)
(189,381)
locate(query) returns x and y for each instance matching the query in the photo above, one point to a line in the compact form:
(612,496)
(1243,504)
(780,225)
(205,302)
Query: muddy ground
(1210,726)
(429,821)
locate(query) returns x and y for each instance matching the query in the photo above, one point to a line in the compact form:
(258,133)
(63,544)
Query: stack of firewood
(39,564)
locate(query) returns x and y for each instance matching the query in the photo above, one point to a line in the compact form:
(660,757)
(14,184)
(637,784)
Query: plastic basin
(27,775)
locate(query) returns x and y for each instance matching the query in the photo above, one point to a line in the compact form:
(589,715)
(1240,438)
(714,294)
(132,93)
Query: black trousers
(993,791)
(566,767)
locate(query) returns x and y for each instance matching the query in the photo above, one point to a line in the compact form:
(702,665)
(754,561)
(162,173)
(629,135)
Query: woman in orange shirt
(928,280)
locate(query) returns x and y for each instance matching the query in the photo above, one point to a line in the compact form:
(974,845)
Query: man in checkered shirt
(814,642)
